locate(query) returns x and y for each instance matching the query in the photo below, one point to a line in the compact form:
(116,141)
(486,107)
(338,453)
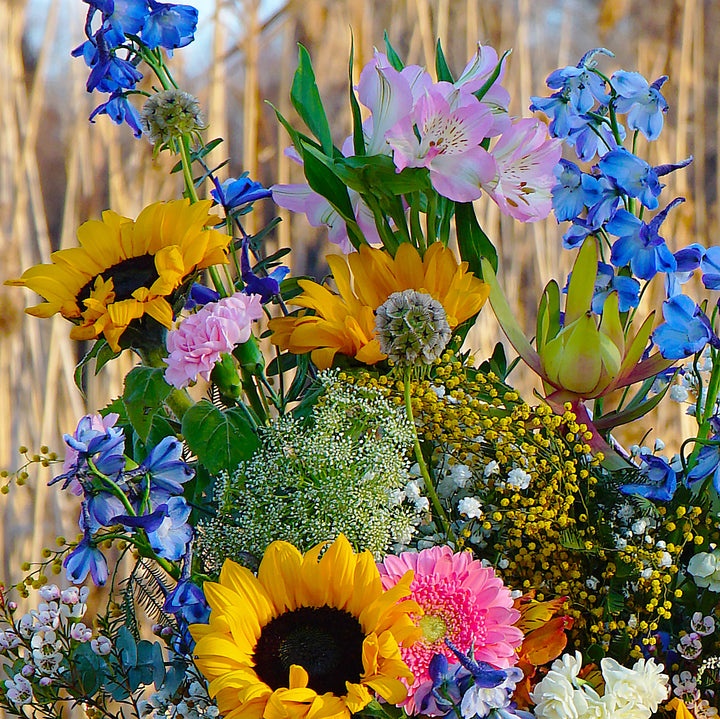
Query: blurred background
(57,170)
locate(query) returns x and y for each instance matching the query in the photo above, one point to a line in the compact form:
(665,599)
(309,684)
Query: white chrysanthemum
(342,470)
(634,693)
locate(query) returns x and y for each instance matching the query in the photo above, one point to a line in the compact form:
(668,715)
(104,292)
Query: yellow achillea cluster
(551,536)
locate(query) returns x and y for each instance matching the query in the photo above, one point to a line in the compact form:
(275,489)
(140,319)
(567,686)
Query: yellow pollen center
(433,628)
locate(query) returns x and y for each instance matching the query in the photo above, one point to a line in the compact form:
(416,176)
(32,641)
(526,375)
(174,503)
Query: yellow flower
(345,322)
(125,268)
(306,638)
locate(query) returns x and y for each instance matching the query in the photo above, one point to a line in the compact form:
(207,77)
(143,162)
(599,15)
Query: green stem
(113,487)
(429,486)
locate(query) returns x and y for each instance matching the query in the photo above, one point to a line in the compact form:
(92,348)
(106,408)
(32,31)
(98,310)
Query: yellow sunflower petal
(279,573)
(248,589)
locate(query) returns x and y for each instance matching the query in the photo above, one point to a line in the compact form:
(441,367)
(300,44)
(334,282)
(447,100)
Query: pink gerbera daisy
(462,601)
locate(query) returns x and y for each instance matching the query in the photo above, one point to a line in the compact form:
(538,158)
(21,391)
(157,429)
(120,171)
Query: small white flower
(491,468)
(471,507)
(626,511)
(637,691)
(19,690)
(503,563)
(460,474)
(704,626)
(518,478)
(679,394)
(639,525)
(439,390)
(705,569)
(646,573)
(50,592)
(666,560)
(422,504)
(659,445)
(412,490)
(620,543)
(101,645)
(592,583)
(690,646)
(80,633)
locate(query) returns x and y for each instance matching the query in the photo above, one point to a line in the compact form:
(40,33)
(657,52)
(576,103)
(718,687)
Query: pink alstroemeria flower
(525,157)
(448,144)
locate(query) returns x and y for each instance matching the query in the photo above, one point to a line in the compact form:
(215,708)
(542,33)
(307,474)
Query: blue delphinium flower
(710,267)
(688,259)
(632,175)
(592,136)
(574,191)
(233,193)
(577,233)
(640,244)
(167,470)
(119,109)
(558,108)
(108,72)
(627,288)
(611,197)
(199,296)
(644,104)
(188,601)
(169,25)
(441,696)
(86,559)
(267,287)
(661,480)
(102,510)
(708,464)
(121,18)
(686,329)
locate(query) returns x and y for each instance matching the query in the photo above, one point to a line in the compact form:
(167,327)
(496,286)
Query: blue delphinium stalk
(710,268)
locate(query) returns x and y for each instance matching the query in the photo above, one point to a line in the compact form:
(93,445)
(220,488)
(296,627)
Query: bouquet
(311,499)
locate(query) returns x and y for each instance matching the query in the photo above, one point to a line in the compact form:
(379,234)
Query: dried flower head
(412,326)
(171,113)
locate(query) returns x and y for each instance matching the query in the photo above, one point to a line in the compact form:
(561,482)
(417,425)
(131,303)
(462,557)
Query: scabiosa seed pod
(171,113)
(412,326)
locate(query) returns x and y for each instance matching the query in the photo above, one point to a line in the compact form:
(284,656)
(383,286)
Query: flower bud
(169,114)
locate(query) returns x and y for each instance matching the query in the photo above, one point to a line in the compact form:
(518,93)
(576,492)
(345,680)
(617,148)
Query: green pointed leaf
(582,282)
(358,138)
(392,56)
(479,94)
(548,318)
(507,321)
(610,323)
(219,439)
(145,391)
(378,174)
(472,241)
(441,66)
(633,411)
(305,98)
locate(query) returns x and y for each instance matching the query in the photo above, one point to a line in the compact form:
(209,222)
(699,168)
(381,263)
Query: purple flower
(109,73)
(86,558)
(199,296)
(688,259)
(592,136)
(188,600)
(101,510)
(443,693)
(169,25)
(643,102)
(119,109)
(686,329)
(574,191)
(236,193)
(640,245)
(267,287)
(164,465)
(661,480)
(632,175)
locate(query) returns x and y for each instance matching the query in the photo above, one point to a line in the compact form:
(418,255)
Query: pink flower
(444,135)
(200,339)
(525,158)
(462,601)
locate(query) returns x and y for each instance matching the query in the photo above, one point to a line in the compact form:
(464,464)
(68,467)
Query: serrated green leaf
(441,66)
(305,98)
(219,439)
(473,243)
(145,391)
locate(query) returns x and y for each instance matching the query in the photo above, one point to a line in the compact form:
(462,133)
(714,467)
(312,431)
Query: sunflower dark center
(127,276)
(325,641)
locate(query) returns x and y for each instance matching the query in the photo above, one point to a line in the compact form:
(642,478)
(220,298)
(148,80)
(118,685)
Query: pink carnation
(200,339)
(462,601)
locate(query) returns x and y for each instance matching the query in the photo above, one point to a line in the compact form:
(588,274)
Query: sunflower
(308,638)
(345,322)
(125,269)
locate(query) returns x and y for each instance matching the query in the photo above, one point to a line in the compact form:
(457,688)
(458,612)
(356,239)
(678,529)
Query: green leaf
(88,668)
(548,317)
(615,602)
(633,411)
(378,174)
(441,66)
(281,363)
(128,649)
(392,56)
(479,94)
(473,243)
(101,353)
(305,98)
(320,174)
(358,138)
(220,440)
(145,391)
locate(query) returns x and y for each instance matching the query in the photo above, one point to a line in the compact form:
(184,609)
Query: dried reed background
(56,170)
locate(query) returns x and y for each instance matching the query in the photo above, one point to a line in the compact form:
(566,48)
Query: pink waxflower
(525,158)
(200,339)
(443,133)
(463,601)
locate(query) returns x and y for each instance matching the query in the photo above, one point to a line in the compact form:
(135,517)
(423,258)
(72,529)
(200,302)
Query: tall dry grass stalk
(56,170)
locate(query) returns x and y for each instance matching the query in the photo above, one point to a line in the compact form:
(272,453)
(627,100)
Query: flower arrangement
(357,516)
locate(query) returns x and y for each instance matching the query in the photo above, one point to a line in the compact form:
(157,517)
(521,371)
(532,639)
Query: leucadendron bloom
(579,355)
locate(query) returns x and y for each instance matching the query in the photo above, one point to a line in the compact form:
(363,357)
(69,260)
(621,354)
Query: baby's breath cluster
(344,469)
